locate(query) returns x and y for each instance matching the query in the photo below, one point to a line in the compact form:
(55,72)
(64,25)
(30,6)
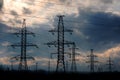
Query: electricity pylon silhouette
(60,44)
(49,61)
(73,57)
(23,45)
(92,61)
(110,64)
(36,66)
(11,65)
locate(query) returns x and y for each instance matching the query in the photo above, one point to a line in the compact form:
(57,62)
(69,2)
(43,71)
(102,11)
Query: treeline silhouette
(7,74)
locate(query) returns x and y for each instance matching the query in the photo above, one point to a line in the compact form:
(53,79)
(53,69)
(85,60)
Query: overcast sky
(96,25)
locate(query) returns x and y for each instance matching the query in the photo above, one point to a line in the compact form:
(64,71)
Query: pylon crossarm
(15,45)
(68,30)
(32,45)
(68,42)
(16,57)
(54,30)
(17,33)
(87,61)
(51,43)
(88,55)
(30,33)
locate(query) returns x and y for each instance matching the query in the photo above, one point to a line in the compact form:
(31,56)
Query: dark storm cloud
(104,29)
(98,30)
(1,4)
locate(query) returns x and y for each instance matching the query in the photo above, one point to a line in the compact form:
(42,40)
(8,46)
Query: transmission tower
(60,43)
(110,64)
(36,66)
(49,61)
(11,65)
(23,45)
(73,58)
(92,61)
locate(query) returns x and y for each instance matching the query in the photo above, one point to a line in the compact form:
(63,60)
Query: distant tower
(73,58)
(92,61)
(49,62)
(36,66)
(110,64)
(11,65)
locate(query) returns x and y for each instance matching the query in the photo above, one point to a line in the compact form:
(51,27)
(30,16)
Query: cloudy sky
(96,25)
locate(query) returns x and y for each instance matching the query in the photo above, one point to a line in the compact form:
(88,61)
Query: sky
(95,24)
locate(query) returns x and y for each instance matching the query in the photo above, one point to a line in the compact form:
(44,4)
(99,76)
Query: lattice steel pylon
(60,44)
(110,64)
(23,45)
(92,61)
(73,57)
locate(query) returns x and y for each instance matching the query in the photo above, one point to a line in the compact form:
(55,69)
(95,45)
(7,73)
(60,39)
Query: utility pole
(60,43)
(73,58)
(92,61)
(23,45)
(110,64)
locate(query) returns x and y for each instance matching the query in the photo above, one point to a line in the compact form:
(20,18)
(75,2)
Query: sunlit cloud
(37,13)
(112,52)
(43,11)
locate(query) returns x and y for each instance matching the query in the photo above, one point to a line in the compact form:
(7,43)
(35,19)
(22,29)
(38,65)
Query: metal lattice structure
(110,64)
(23,45)
(92,61)
(73,58)
(60,44)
